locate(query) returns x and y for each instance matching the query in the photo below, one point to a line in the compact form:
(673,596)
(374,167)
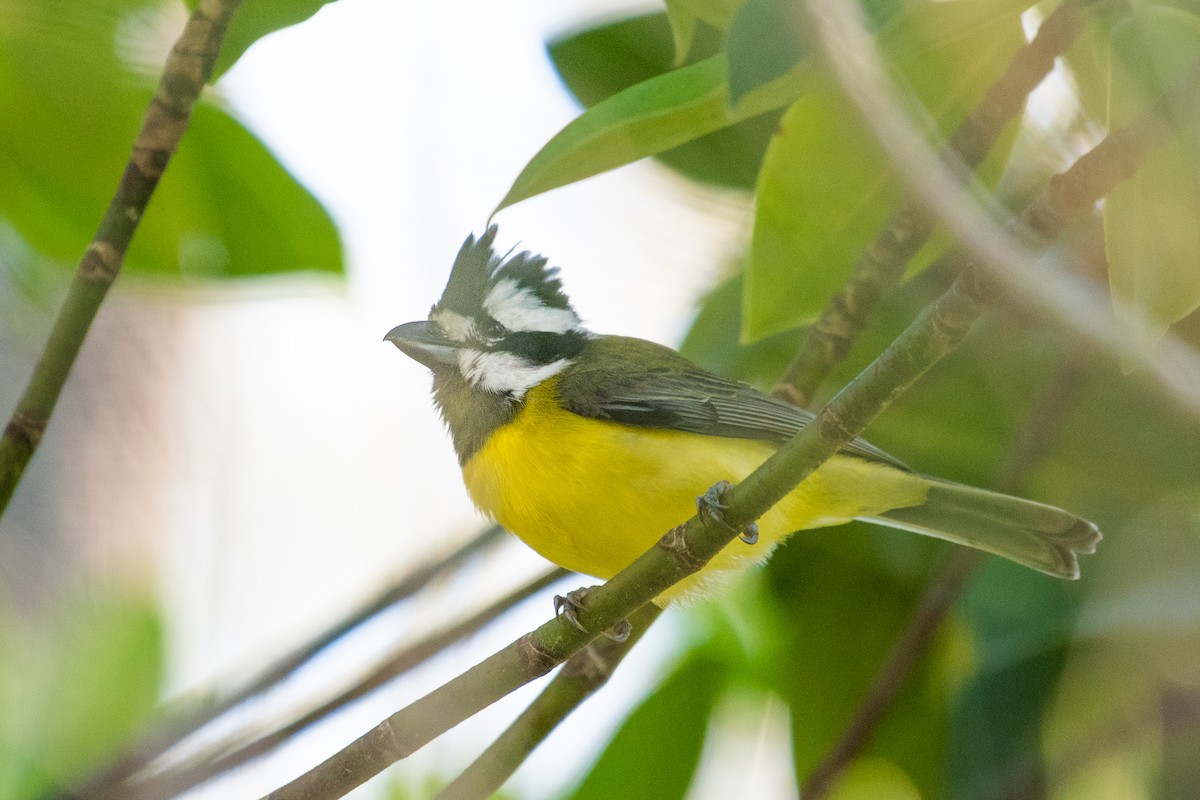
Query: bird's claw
(569,605)
(709,504)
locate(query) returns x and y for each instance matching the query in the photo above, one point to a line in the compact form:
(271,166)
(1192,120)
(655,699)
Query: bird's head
(502,326)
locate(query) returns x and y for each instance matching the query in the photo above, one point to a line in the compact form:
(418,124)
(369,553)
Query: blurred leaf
(876,778)
(77,687)
(769,37)
(766,39)
(1151,235)
(712,342)
(598,62)
(644,120)
(632,767)
(826,187)
(224,207)
(995,744)
(227,208)
(824,589)
(685,16)
(254,20)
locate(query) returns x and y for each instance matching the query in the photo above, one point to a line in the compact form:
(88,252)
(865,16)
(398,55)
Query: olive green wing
(636,382)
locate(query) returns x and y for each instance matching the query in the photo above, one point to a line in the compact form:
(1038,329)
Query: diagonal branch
(880,267)
(581,677)
(187,718)
(225,756)
(187,70)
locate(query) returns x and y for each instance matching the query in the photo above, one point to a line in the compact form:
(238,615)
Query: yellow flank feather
(592,495)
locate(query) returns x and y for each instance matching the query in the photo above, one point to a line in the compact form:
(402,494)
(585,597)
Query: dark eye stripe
(541,347)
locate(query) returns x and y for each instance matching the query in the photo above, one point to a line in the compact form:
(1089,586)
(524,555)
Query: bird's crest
(515,292)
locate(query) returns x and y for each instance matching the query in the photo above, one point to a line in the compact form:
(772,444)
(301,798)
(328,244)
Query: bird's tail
(1035,535)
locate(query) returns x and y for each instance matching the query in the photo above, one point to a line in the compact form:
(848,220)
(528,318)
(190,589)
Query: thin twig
(188,68)
(580,678)
(880,267)
(223,757)
(944,590)
(189,716)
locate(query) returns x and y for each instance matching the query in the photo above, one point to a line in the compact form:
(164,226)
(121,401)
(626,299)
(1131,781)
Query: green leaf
(74,688)
(995,746)
(1151,234)
(632,767)
(598,62)
(769,37)
(826,188)
(712,342)
(644,120)
(254,20)
(843,613)
(686,16)
(225,206)
(766,39)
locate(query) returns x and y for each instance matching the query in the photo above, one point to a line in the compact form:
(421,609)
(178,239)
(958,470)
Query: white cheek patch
(456,326)
(521,310)
(502,373)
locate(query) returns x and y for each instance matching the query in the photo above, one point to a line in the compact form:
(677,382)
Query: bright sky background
(330,472)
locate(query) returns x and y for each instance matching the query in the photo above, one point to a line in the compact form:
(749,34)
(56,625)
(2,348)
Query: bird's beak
(424,343)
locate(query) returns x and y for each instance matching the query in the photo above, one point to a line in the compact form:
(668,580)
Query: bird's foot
(569,605)
(709,504)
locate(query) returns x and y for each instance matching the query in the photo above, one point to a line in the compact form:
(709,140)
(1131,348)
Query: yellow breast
(592,495)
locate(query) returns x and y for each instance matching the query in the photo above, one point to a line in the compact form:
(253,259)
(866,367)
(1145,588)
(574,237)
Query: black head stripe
(542,347)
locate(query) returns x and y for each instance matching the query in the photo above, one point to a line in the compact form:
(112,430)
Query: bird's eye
(491,329)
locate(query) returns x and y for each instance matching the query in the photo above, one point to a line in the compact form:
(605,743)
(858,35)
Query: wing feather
(635,382)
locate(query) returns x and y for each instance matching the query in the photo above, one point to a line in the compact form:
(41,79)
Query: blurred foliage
(76,93)
(76,681)
(639,48)
(826,187)
(1033,687)
(1150,221)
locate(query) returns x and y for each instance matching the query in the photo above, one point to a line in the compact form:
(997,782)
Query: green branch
(881,266)
(580,678)
(187,70)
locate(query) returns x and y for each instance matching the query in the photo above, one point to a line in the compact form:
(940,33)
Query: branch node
(538,660)
(831,425)
(27,427)
(676,544)
(100,263)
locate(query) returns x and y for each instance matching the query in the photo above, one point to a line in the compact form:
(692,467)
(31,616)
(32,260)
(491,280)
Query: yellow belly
(591,495)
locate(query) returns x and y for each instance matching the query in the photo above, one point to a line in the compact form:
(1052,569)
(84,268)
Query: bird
(590,447)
